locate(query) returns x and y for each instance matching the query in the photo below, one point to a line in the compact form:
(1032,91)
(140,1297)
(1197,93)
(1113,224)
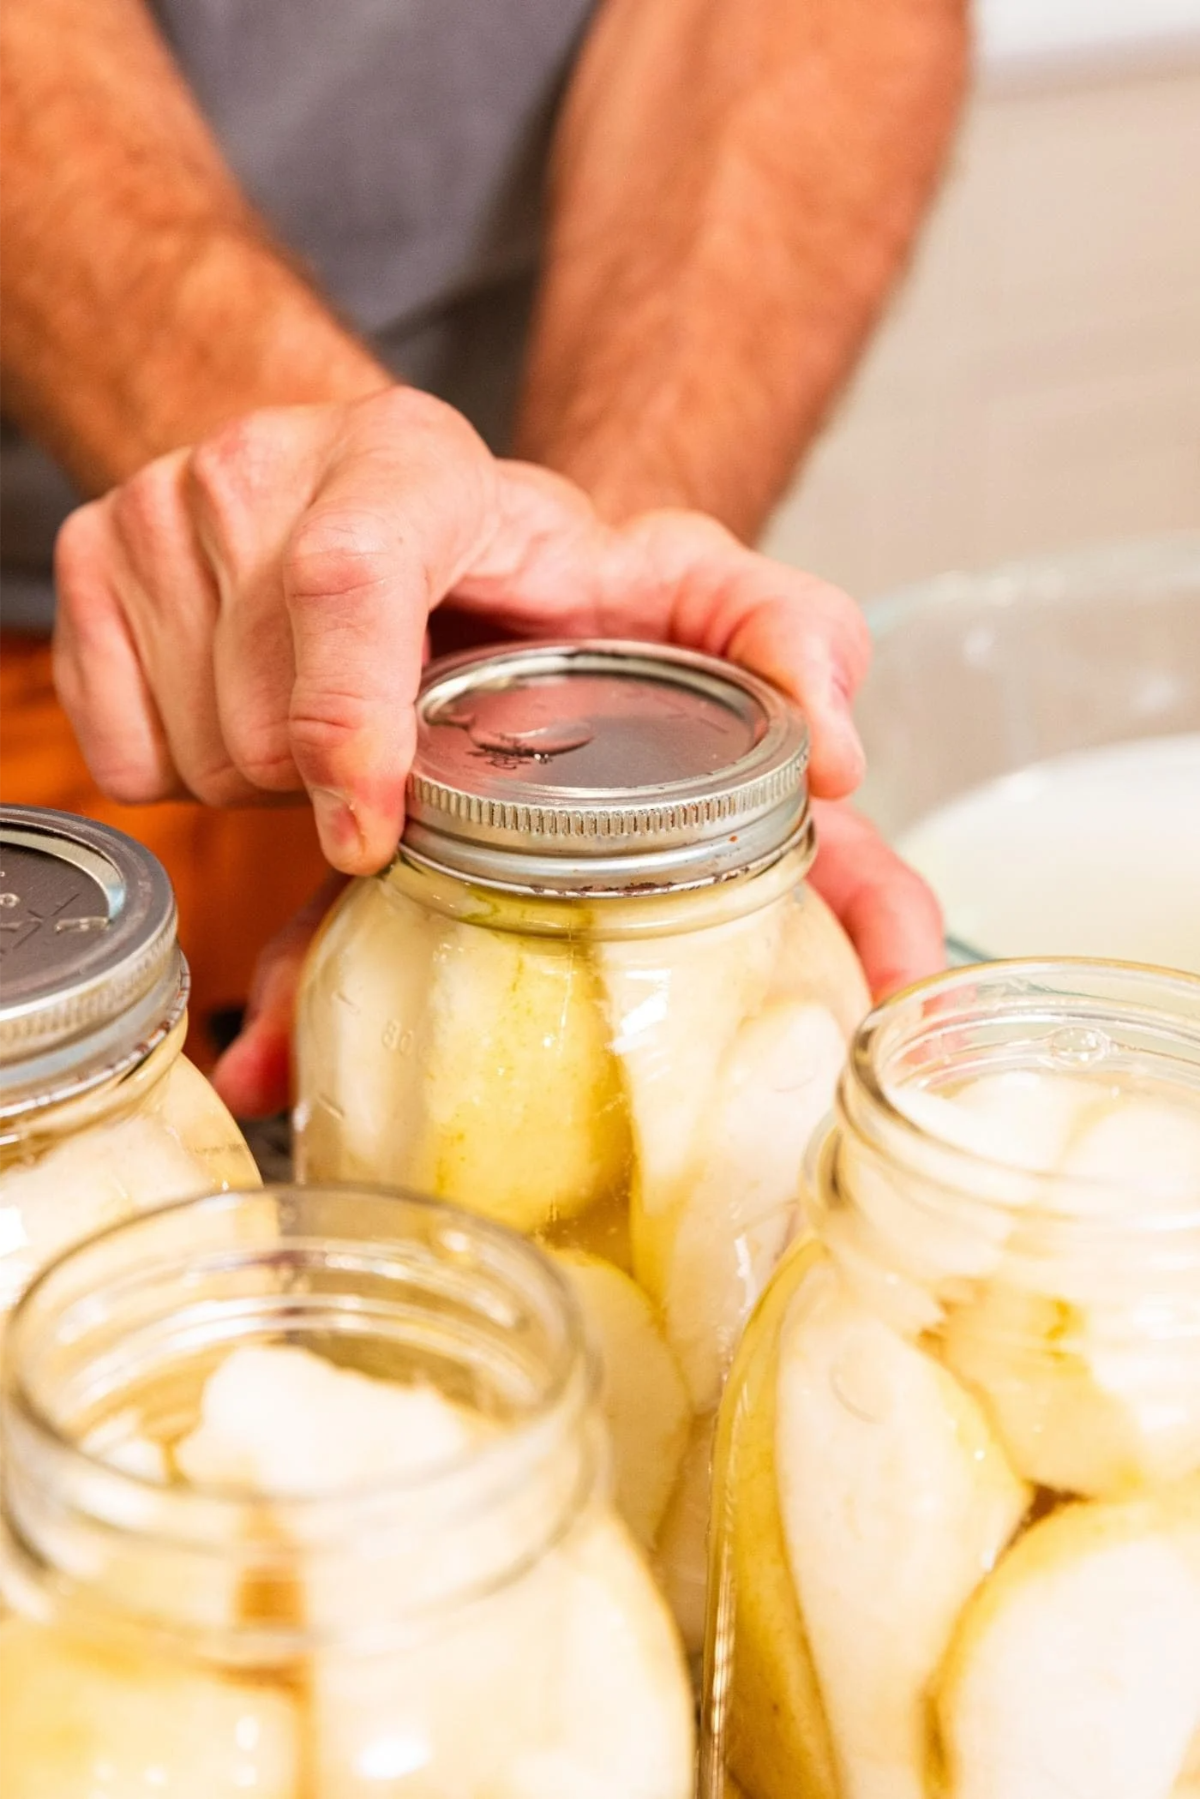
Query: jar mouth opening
(1070,1015)
(432,1292)
(483,1247)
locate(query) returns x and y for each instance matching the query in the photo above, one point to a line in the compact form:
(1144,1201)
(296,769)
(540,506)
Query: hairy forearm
(142,303)
(736,186)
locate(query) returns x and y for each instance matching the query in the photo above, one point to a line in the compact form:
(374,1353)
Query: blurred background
(1030,413)
(1037,383)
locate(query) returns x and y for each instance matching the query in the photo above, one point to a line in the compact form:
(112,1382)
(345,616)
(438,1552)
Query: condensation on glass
(956,1537)
(593,997)
(100,1112)
(304,1495)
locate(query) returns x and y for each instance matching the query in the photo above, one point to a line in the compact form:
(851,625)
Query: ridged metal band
(635,820)
(744,852)
(114,1048)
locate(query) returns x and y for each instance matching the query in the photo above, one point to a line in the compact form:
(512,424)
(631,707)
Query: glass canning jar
(594,998)
(303,1495)
(956,1533)
(100,1111)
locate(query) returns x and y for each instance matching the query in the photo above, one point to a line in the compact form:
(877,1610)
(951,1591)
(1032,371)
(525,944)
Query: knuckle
(319,734)
(131,780)
(692,527)
(407,411)
(88,575)
(675,539)
(145,510)
(261,753)
(218,467)
(78,549)
(464,474)
(204,765)
(228,474)
(336,551)
(218,785)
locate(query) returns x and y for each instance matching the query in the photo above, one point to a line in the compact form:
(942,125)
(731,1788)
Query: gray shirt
(397,147)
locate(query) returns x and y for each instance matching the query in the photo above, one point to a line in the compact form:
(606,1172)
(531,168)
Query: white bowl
(991,719)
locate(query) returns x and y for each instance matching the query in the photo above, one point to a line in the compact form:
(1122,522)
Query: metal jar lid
(603,768)
(90,971)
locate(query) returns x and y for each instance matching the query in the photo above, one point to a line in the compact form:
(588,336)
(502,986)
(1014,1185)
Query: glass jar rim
(868,1105)
(40,1452)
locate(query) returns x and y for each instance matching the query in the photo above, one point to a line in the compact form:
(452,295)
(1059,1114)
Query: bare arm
(143,303)
(736,186)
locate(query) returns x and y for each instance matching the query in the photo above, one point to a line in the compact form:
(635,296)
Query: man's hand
(247,619)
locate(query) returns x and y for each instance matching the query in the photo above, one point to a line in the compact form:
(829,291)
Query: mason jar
(303,1494)
(594,998)
(100,1111)
(956,1538)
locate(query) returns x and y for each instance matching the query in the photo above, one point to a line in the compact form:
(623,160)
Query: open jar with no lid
(957,1515)
(303,1493)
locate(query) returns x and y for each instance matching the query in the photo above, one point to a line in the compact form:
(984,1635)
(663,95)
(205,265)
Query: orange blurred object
(238,875)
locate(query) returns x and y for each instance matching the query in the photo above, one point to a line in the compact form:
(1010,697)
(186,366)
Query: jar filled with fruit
(956,1538)
(303,1494)
(594,998)
(100,1111)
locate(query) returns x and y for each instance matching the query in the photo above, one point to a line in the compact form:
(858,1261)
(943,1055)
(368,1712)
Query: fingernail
(337,826)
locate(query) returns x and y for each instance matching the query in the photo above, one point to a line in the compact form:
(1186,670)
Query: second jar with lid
(957,1517)
(594,998)
(101,1113)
